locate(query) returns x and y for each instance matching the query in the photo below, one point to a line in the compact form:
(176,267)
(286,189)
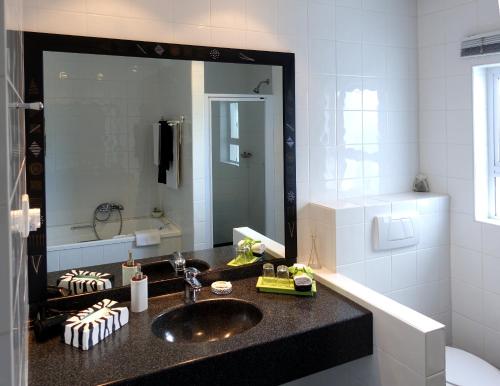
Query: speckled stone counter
(296,337)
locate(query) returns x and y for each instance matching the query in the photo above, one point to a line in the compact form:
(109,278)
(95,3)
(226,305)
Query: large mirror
(146,156)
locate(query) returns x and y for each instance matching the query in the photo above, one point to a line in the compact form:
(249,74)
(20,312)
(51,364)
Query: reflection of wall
(98,117)
(99,120)
(174,101)
(226,78)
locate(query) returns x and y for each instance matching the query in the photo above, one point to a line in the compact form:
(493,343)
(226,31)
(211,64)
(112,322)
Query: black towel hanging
(166,150)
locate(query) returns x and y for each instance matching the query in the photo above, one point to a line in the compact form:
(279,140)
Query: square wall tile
(227,13)
(404,270)
(349,244)
(378,274)
(348,24)
(354,271)
(467,334)
(192,12)
(321,20)
(70,258)
(349,215)
(262,15)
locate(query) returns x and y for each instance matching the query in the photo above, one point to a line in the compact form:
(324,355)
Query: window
(493,111)
(229,133)
(486,123)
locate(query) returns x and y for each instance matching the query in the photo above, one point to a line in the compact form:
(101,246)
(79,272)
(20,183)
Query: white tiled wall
(13,275)
(356,81)
(446,155)
(418,276)
(330,40)
(395,329)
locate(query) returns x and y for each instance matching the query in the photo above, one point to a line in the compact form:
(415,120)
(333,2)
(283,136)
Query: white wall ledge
(366,297)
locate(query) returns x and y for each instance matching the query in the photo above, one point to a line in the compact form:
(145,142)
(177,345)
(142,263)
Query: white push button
(393,233)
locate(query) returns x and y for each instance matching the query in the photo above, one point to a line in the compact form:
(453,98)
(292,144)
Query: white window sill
(487,220)
(231,163)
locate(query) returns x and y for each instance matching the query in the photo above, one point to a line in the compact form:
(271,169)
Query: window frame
(493,135)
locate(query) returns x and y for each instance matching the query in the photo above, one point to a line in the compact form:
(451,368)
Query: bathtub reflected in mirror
(154,156)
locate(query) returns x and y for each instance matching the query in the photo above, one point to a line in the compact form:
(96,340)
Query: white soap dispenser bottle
(139,291)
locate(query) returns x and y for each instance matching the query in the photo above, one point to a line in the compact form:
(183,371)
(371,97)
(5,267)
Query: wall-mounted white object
(25,220)
(37,106)
(482,44)
(392,233)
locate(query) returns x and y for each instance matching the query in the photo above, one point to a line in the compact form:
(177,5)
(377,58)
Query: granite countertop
(296,337)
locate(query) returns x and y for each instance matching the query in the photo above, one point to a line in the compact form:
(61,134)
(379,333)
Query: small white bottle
(129,269)
(139,291)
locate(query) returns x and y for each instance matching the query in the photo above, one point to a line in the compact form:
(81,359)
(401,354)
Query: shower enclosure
(243,164)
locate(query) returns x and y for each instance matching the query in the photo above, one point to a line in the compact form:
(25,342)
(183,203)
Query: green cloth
(243,260)
(294,271)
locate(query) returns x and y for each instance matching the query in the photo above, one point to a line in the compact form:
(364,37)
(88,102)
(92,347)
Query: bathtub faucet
(103,213)
(108,207)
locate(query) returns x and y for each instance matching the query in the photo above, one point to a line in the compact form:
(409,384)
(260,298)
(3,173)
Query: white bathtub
(73,246)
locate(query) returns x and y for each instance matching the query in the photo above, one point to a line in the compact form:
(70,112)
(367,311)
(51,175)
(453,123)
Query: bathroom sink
(161,270)
(206,321)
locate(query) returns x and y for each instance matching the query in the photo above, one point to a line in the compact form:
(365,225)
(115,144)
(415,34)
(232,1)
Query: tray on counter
(282,286)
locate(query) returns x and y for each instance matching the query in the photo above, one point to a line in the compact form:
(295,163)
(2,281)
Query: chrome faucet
(192,285)
(178,263)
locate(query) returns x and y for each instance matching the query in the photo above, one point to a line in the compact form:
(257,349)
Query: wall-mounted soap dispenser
(25,220)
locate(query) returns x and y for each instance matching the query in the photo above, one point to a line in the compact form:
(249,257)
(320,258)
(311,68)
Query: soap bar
(92,325)
(302,283)
(222,287)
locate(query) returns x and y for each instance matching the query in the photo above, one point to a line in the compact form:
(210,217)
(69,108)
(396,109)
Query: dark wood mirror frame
(34,46)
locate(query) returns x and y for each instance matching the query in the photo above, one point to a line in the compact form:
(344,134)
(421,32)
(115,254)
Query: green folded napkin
(243,260)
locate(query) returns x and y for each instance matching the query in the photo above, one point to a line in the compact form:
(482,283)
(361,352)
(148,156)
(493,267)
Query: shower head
(256,90)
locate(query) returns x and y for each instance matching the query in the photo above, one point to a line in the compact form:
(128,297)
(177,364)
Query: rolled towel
(147,237)
(258,248)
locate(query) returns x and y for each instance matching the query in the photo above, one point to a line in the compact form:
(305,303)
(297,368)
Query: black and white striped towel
(78,281)
(92,325)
